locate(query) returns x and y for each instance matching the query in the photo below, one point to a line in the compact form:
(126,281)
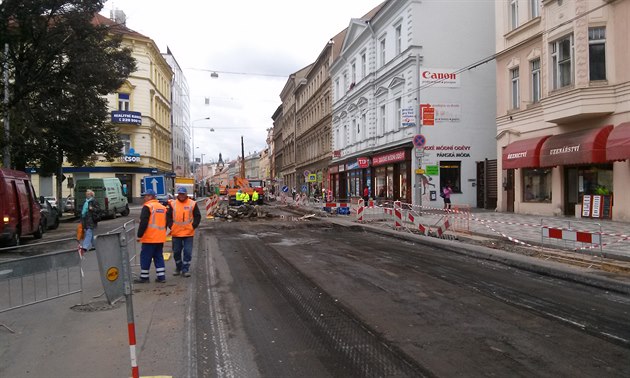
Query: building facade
(141,109)
(563,107)
(400,57)
(180,118)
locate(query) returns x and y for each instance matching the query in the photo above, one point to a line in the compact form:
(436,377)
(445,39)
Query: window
(536,185)
(515,88)
(398,39)
(561,62)
(337,94)
(364,123)
(353,129)
(345,83)
(398,119)
(363,65)
(382,119)
(353,71)
(535,65)
(597,53)
(450,173)
(513,14)
(126,141)
(382,49)
(534,8)
(123,101)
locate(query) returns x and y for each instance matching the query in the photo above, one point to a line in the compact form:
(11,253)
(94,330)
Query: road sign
(285,189)
(419,140)
(156,183)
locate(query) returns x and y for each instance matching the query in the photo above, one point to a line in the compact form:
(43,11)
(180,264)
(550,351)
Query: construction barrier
(211,204)
(576,239)
(341,208)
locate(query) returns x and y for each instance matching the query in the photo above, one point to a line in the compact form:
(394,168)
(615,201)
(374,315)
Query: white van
(107,191)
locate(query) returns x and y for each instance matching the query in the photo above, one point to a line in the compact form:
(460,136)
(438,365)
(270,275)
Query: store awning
(523,153)
(618,145)
(578,147)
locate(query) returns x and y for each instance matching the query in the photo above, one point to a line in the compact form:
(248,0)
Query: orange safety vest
(183,218)
(156,229)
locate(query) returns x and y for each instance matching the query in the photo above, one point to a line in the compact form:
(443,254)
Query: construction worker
(152,235)
(184,216)
(245,197)
(239,198)
(254,197)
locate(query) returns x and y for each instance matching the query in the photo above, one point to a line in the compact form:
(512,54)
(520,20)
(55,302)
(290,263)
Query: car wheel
(125,212)
(55,225)
(40,231)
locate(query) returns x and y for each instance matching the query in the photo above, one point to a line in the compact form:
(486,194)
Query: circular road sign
(419,140)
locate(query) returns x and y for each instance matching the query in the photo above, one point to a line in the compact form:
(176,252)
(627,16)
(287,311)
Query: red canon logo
(438,75)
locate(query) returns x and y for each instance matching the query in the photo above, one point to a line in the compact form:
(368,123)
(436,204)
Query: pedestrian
(293,193)
(90,216)
(446,194)
(366,195)
(183,216)
(152,235)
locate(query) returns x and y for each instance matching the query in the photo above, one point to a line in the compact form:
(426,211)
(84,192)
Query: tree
(62,64)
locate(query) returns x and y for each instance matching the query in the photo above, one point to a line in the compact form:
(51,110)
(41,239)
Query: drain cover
(96,306)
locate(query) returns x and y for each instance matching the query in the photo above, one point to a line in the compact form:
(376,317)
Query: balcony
(577,104)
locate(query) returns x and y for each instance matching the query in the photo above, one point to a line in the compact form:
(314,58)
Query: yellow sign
(112,274)
(419,171)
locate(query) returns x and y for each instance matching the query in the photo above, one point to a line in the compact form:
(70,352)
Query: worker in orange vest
(184,217)
(152,235)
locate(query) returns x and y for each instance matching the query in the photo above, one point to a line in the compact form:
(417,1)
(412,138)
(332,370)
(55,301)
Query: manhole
(96,306)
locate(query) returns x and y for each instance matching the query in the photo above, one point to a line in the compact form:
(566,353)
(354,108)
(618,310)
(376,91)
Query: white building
(405,54)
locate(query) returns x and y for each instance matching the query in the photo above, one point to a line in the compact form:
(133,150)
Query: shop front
(392,175)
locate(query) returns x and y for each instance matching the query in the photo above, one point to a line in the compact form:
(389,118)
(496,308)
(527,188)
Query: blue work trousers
(182,244)
(152,252)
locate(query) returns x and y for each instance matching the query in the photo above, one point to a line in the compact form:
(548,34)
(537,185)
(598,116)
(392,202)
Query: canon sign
(439,77)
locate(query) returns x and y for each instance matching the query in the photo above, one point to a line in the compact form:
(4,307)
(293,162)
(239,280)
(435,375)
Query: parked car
(50,216)
(52,200)
(19,207)
(68,206)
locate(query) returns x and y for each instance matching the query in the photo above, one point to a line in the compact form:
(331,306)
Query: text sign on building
(391,157)
(133,118)
(439,77)
(407,117)
(363,162)
(428,115)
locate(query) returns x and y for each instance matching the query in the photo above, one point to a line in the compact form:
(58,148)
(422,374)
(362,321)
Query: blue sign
(156,183)
(419,141)
(304,188)
(285,189)
(133,118)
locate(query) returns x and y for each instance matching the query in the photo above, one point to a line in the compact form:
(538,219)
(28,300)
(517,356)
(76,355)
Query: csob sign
(134,118)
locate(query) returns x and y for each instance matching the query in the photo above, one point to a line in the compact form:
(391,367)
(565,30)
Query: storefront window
(403,181)
(381,182)
(595,180)
(450,173)
(537,185)
(390,181)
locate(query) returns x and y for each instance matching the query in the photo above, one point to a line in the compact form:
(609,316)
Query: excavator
(241,183)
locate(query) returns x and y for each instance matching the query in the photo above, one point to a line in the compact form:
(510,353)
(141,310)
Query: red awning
(618,145)
(578,147)
(523,153)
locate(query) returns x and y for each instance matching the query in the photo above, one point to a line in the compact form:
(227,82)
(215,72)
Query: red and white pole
(131,329)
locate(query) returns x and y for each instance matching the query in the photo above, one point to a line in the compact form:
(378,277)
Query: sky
(253,45)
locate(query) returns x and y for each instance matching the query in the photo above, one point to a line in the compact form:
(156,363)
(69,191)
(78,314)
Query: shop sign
(363,162)
(432,170)
(390,157)
(352,166)
(333,169)
(131,157)
(407,117)
(133,118)
(336,154)
(342,168)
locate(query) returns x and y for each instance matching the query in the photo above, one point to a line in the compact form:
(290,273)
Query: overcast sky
(258,42)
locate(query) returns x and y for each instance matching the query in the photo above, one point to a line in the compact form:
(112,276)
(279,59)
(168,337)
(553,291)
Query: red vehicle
(19,207)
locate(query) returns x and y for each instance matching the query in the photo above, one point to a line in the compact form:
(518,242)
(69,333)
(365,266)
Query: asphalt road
(282,298)
(293,291)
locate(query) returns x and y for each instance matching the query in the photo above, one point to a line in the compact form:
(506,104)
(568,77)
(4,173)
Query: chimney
(118,16)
